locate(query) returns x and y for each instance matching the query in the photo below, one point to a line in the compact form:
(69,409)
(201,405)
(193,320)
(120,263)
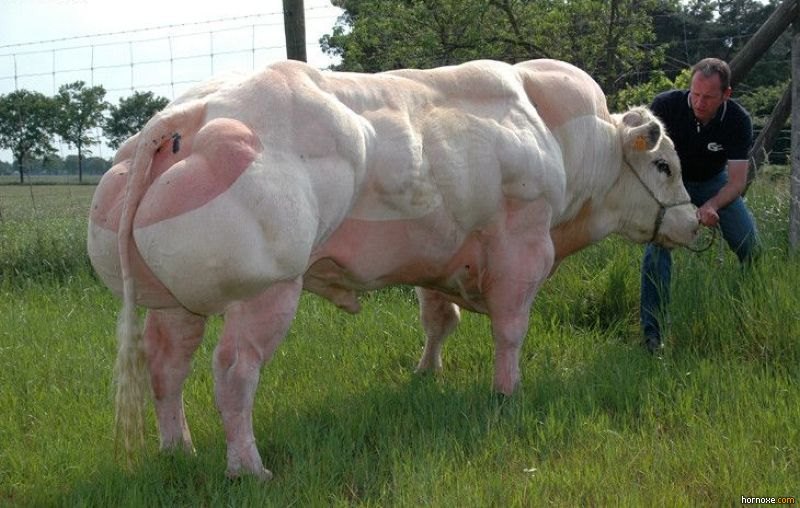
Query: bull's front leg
(439,317)
(520,255)
(253,330)
(171,337)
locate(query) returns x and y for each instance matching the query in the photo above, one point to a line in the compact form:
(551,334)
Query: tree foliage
(636,95)
(26,125)
(131,115)
(30,120)
(608,39)
(80,110)
(621,43)
(697,29)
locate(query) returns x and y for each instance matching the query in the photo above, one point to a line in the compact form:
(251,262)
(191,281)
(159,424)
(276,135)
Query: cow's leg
(170,339)
(519,257)
(439,318)
(253,330)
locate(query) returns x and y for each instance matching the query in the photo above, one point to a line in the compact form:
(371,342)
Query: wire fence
(45,198)
(166,60)
(161,59)
(781,150)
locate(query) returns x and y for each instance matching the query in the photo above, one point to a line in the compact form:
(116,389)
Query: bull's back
(459,138)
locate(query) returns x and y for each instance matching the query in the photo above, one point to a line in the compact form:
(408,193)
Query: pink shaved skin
(470,182)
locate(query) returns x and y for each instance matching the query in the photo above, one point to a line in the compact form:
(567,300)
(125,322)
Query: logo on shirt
(715,147)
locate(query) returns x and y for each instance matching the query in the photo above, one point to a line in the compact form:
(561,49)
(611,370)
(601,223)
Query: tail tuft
(131,380)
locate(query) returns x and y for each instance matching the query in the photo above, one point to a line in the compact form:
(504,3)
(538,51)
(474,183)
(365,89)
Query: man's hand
(737,181)
(707,215)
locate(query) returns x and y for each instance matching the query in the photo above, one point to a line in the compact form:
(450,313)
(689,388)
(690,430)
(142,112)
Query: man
(713,136)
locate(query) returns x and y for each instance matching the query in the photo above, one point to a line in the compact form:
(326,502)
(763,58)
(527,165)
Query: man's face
(706,96)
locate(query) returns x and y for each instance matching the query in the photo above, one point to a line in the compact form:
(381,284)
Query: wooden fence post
(794,186)
(294,27)
(772,28)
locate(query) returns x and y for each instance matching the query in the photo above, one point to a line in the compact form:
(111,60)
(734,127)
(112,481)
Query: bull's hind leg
(253,330)
(439,318)
(170,339)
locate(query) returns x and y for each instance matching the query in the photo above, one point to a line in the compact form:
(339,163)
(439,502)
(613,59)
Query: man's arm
(737,180)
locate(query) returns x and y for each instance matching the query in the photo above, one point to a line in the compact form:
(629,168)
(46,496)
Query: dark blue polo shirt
(704,150)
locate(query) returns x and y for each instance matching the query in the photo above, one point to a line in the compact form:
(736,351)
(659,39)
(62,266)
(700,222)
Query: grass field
(341,419)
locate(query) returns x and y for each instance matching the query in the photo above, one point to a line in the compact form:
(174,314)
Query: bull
(470,182)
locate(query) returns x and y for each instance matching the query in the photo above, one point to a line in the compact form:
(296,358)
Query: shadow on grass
(353,447)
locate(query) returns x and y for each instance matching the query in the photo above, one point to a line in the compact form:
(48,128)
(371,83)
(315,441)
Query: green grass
(341,419)
(50,179)
(43,232)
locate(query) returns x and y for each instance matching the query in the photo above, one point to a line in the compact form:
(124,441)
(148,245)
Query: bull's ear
(633,118)
(644,137)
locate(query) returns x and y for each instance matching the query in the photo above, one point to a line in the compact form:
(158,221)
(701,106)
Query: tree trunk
(80,162)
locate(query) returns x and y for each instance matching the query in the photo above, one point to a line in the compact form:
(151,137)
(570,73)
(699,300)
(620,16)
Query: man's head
(710,87)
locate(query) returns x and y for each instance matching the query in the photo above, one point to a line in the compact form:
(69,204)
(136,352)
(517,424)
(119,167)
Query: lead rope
(720,249)
(714,235)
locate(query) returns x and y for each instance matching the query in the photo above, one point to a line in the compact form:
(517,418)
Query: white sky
(47,43)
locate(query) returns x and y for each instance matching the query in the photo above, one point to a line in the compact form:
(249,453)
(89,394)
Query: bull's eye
(663,166)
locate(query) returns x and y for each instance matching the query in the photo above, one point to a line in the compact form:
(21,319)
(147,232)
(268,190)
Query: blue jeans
(738,229)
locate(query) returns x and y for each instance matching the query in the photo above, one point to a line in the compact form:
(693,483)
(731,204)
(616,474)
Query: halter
(662,207)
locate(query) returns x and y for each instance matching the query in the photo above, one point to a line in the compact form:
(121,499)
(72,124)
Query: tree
(131,115)
(377,35)
(614,41)
(26,126)
(695,29)
(643,94)
(80,110)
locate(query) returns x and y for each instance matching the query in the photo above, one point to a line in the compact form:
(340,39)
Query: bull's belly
(365,255)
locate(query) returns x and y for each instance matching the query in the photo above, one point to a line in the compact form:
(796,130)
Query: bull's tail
(130,370)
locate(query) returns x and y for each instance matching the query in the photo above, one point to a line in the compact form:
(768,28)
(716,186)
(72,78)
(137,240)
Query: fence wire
(166,60)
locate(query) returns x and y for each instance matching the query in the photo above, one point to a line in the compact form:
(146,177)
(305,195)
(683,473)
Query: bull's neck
(590,214)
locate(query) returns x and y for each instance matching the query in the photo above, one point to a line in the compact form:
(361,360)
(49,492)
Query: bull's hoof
(263,475)
(178,448)
(505,387)
(426,369)
(429,363)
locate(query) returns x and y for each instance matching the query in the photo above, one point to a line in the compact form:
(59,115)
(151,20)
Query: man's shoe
(653,344)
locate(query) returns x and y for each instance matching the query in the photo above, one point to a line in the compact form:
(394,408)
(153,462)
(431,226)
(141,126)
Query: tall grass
(341,419)
(43,232)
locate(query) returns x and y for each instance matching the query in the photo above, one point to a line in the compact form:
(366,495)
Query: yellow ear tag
(640,144)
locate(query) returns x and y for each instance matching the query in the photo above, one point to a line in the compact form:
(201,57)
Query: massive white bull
(469,181)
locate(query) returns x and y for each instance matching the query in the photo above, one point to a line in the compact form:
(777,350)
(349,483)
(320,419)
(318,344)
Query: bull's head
(654,203)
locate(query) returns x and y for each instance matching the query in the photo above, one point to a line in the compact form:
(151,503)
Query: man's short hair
(710,66)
